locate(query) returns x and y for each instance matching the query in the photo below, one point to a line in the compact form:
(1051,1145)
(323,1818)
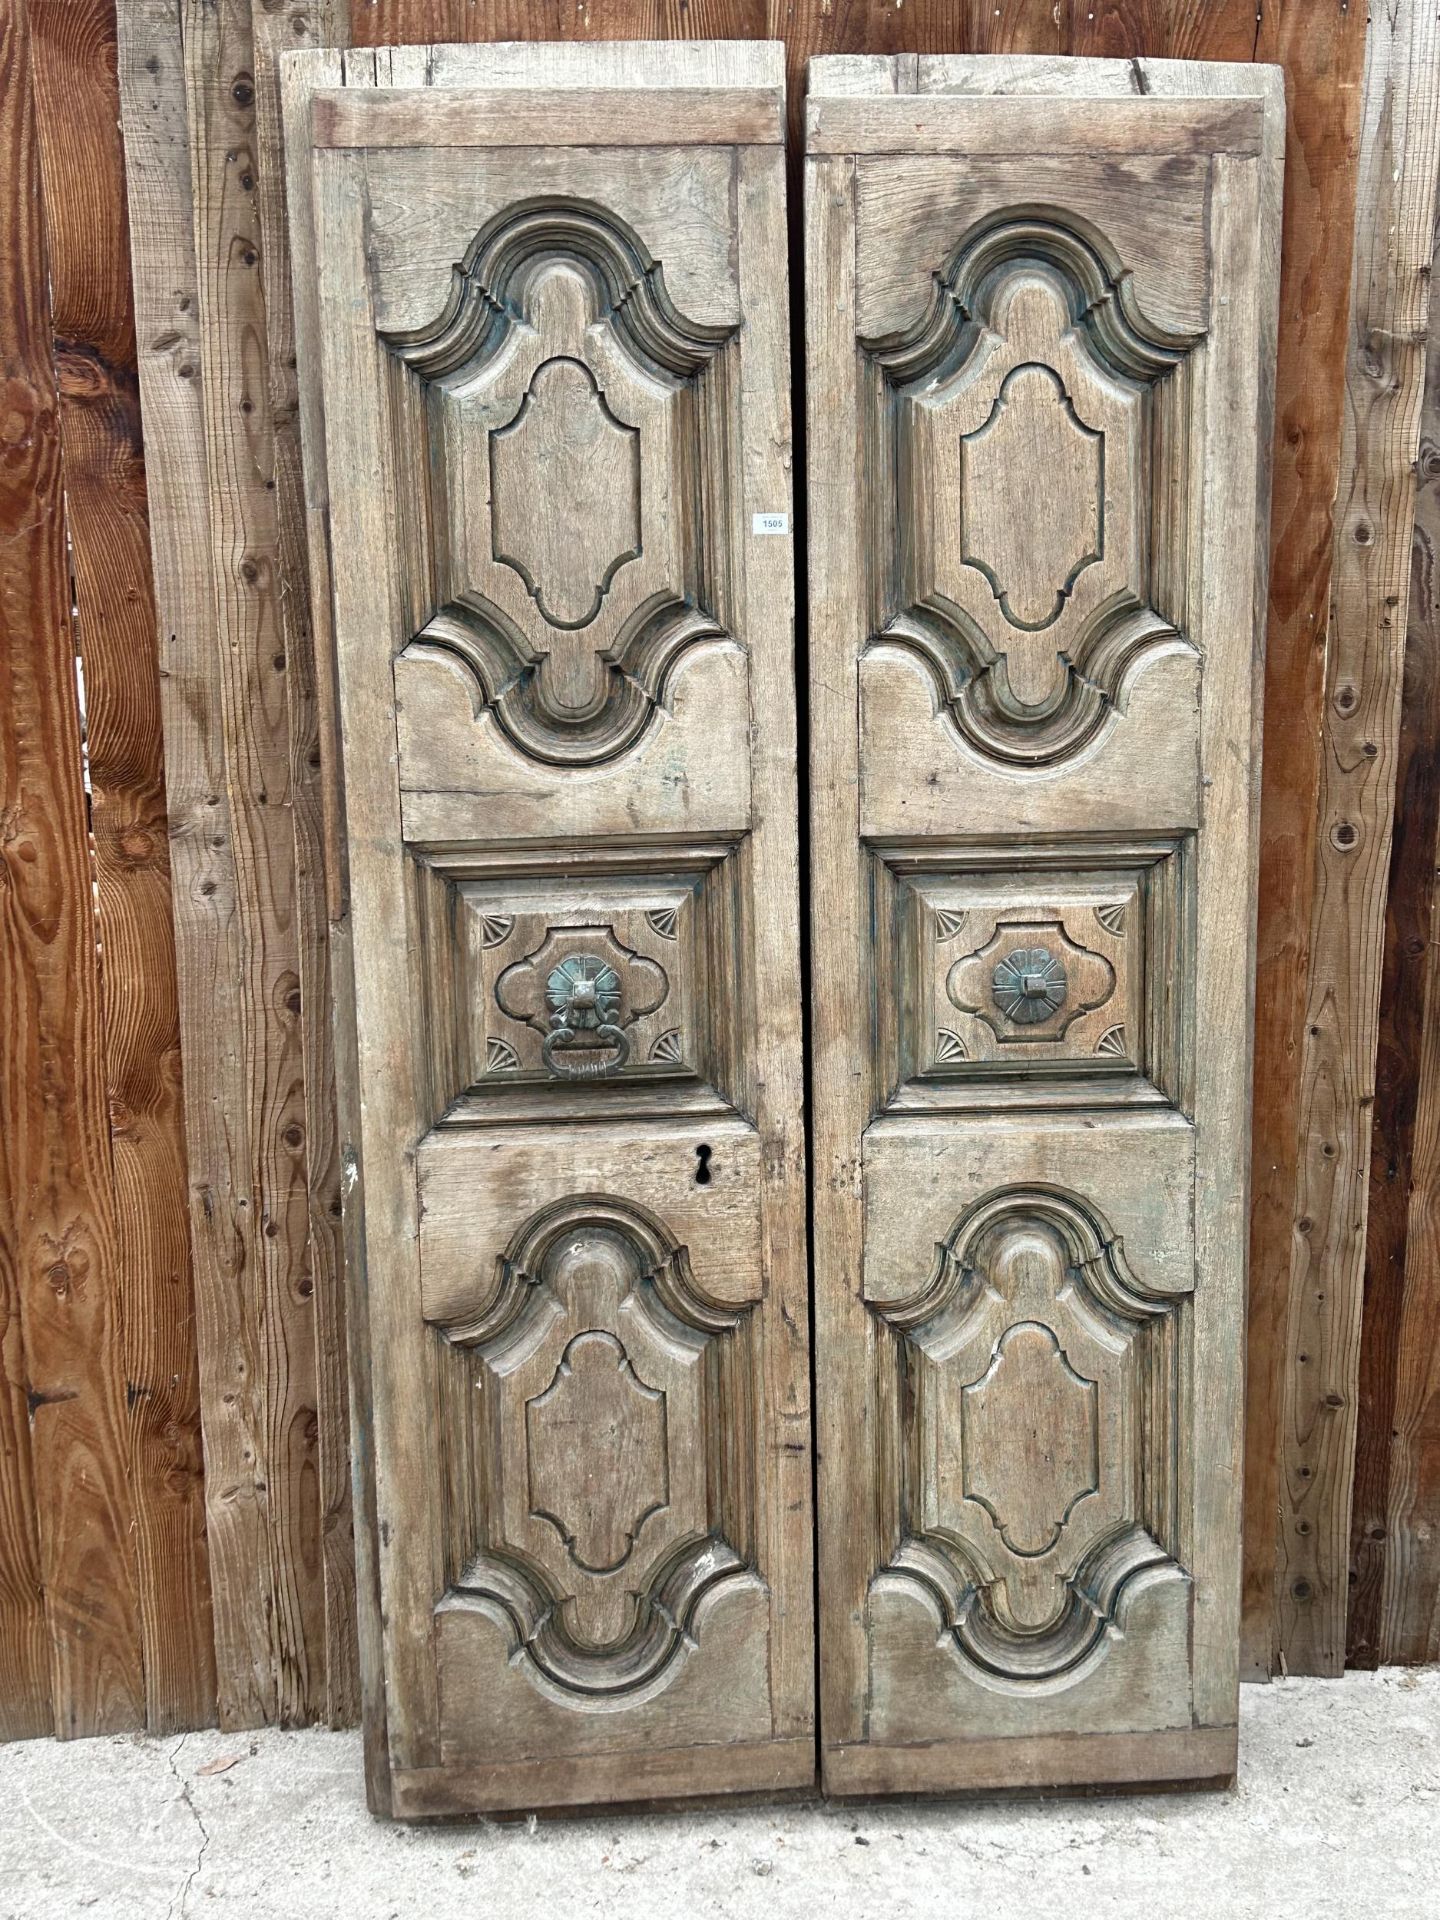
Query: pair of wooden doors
(542,312)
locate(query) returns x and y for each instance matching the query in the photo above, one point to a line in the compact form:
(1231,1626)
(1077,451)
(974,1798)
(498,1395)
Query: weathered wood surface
(277,32)
(1322,52)
(922,1374)
(56,1196)
(260,1384)
(1321,49)
(1395,1544)
(453,1724)
(29,519)
(83,183)
(1385,372)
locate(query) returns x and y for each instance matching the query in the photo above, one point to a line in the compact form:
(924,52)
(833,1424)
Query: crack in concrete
(176,1910)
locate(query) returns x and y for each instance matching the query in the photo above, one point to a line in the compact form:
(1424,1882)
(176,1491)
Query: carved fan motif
(667,1051)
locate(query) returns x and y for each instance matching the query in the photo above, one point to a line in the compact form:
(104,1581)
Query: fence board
(82,172)
(1323,53)
(325,24)
(1400,149)
(1395,1543)
(55,1193)
(274,1505)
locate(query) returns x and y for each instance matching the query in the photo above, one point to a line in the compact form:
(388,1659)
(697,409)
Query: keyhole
(702,1166)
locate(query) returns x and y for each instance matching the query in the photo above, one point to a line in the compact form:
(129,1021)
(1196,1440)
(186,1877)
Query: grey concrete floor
(1337,1813)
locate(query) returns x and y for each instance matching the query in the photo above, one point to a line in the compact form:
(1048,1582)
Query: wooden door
(1041,310)
(541,300)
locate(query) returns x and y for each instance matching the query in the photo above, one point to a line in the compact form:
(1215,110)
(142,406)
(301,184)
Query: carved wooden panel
(1043,1376)
(556,366)
(545,972)
(1034,376)
(1050,970)
(554,392)
(1042,310)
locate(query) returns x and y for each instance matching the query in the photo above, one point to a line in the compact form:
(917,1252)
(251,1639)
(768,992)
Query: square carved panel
(567,985)
(1052,972)
(580,982)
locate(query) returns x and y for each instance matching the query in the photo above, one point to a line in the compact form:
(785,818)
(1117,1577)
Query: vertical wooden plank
(843,1327)
(24,1642)
(1395,1544)
(331,68)
(55,1176)
(1400,1062)
(324,24)
(82,171)
(25,1709)
(207,934)
(1323,55)
(1400,147)
(265,1520)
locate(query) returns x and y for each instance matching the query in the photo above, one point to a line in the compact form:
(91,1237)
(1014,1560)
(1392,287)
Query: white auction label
(770,523)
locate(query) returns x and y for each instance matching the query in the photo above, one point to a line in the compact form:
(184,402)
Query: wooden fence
(169,1173)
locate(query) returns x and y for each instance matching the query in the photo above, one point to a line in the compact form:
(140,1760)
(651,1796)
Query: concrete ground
(1337,1814)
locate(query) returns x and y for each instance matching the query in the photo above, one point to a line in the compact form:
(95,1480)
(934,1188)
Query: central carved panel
(1030,1442)
(571,479)
(1032,980)
(1062,972)
(582,989)
(594,1378)
(1043,1392)
(1032,558)
(566,449)
(597,1446)
(1037,396)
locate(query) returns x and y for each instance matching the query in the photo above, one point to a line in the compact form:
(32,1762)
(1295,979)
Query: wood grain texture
(277,32)
(56,1199)
(27,458)
(1400,150)
(900,1649)
(404,117)
(1322,51)
(1395,1592)
(262,1386)
(451,1696)
(83,181)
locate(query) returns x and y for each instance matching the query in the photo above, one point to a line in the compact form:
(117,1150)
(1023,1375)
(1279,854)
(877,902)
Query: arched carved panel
(1041,1397)
(1037,398)
(569,451)
(596,1371)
